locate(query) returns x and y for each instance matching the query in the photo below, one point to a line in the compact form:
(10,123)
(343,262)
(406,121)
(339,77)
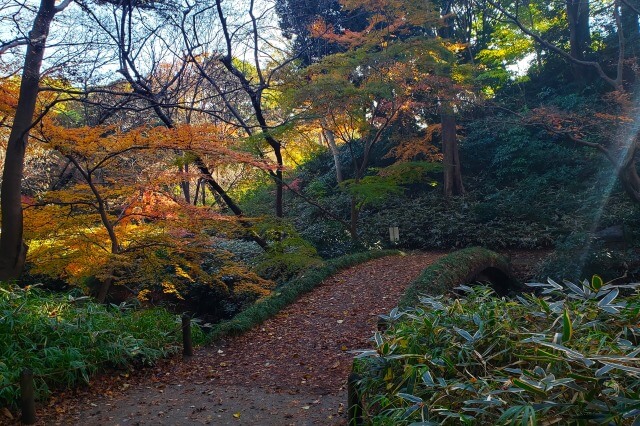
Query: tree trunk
(579,34)
(452,170)
(103,292)
(331,141)
(184,183)
(630,27)
(197,193)
(13,250)
(217,189)
(279,183)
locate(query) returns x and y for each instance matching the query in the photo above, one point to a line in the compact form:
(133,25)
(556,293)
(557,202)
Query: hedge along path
(463,267)
(290,370)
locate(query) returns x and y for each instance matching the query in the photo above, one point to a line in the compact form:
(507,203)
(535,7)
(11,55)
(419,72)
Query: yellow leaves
(143,295)
(181,273)
(320,29)
(170,288)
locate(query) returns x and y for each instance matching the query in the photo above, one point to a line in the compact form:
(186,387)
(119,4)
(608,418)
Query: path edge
(290,292)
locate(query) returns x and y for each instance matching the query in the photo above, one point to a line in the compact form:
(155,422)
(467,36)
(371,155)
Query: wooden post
(27,393)
(187,345)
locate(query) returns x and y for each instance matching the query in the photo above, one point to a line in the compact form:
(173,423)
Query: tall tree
(579,34)
(394,67)
(246,36)
(451,157)
(13,250)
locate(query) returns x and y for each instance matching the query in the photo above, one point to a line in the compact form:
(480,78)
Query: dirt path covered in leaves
(290,370)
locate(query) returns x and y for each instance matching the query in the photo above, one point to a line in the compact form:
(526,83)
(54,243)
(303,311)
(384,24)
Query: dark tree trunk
(217,189)
(103,290)
(452,170)
(197,193)
(184,183)
(13,250)
(630,28)
(579,34)
(279,182)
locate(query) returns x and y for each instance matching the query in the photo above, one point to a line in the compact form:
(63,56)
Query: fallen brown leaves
(306,348)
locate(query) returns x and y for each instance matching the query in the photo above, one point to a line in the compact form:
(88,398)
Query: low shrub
(288,253)
(566,356)
(65,340)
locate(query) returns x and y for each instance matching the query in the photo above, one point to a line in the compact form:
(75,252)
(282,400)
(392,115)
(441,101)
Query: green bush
(566,356)
(65,340)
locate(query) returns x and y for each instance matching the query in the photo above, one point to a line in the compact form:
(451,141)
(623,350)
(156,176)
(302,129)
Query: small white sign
(394,234)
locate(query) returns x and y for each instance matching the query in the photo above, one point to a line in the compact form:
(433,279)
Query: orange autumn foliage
(119,216)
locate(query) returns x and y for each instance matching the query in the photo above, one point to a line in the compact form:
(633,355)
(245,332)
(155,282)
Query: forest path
(290,370)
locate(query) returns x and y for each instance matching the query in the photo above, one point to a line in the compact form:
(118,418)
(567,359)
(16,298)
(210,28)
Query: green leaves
(529,387)
(523,362)
(596,282)
(65,342)
(372,190)
(567,328)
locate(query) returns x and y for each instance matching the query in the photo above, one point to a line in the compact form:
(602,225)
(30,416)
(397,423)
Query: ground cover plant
(567,355)
(65,340)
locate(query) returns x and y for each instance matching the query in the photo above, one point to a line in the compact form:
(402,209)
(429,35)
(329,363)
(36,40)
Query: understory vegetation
(568,353)
(65,339)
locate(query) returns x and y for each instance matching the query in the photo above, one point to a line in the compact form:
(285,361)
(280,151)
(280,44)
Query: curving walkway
(291,370)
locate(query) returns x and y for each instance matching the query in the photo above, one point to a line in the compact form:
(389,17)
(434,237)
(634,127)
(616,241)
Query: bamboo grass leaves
(569,353)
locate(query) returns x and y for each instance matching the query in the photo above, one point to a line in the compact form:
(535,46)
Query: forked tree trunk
(13,250)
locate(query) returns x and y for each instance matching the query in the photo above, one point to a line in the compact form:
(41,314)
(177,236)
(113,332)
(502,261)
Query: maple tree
(117,219)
